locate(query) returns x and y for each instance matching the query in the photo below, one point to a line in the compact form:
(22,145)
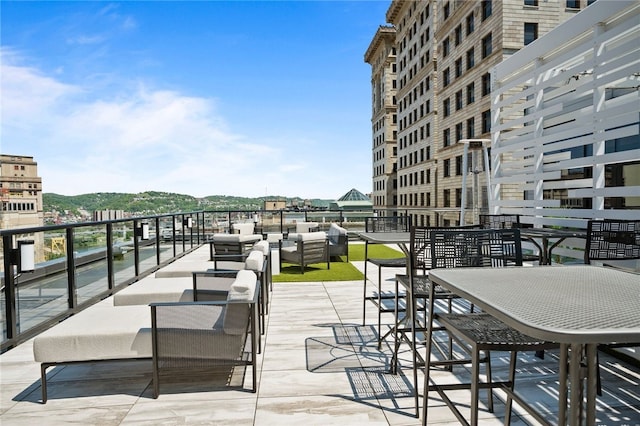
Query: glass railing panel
(123,254)
(219,222)
(43,293)
(289,219)
(90,256)
(165,238)
(324,218)
(269,222)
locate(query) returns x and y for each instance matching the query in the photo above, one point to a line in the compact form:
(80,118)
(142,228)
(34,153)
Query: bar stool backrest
(612,239)
(476,248)
(388,224)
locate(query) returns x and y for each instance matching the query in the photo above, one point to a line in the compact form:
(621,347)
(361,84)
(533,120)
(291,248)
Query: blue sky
(246,98)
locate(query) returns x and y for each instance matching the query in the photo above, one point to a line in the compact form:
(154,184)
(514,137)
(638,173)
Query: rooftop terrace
(319,366)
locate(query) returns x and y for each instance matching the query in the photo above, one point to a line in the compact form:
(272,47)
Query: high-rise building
(445,50)
(381,55)
(21,192)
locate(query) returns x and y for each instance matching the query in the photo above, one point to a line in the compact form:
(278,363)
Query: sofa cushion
(262,246)
(336,231)
(311,236)
(245,228)
(236,238)
(152,290)
(236,314)
(254,261)
(98,333)
(302,227)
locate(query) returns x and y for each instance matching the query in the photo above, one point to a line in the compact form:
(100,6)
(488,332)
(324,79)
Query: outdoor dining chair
(612,240)
(476,333)
(382,224)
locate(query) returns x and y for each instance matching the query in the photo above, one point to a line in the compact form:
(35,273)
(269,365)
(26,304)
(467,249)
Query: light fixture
(26,257)
(188,222)
(143,231)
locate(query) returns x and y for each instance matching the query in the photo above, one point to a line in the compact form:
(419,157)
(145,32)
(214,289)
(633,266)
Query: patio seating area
(318,365)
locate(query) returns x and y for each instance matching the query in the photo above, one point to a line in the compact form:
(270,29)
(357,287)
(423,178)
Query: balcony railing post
(158,236)
(9,288)
(110,270)
(136,249)
(173,235)
(71,270)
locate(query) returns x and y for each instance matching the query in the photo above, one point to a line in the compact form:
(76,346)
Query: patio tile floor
(319,366)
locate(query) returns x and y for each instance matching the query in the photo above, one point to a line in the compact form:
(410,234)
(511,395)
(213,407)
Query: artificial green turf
(340,270)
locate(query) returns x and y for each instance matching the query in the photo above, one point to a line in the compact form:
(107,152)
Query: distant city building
(101,215)
(381,55)
(21,198)
(352,200)
(275,204)
(444,52)
(21,192)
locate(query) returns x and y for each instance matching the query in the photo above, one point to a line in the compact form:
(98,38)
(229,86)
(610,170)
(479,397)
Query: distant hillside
(152,202)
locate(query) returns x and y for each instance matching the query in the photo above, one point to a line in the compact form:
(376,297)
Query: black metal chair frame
(612,240)
(478,332)
(178,363)
(382,224)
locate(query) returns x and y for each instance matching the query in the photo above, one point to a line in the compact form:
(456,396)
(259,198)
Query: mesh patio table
(576,306)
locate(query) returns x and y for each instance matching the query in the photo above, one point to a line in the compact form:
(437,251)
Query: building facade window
(471,58)
(446,137)
(446,78)
(487,45)
(471,93)
(458,35)
(530,32)
(459,100)
(486,9)
(458,67)
(531,2)
(471,131)
(486,121)
(446,107)
(459,135)
(486,84)
(446,168)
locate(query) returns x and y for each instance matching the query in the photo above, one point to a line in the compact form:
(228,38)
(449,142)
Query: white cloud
(132,140)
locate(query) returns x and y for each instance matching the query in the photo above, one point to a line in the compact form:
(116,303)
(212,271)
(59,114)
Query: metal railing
(79,264)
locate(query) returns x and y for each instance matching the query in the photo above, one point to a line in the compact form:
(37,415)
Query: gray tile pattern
(320,366)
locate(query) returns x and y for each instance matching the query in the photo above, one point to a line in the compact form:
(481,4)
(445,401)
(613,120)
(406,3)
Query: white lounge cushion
(152,290)
(335,230)
(236,314)
(263,246)
(236,238)
(254,261)
(243,228)
(311,236)
(97,333)
(244,286)
(303,227)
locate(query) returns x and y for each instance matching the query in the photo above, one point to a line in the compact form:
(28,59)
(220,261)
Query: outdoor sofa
(194,335)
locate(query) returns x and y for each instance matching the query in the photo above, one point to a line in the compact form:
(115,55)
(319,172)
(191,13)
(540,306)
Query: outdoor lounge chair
(338,241)
(201,336)
(309,248)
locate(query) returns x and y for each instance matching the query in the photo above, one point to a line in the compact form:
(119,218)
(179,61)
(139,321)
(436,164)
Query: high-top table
(576,306)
